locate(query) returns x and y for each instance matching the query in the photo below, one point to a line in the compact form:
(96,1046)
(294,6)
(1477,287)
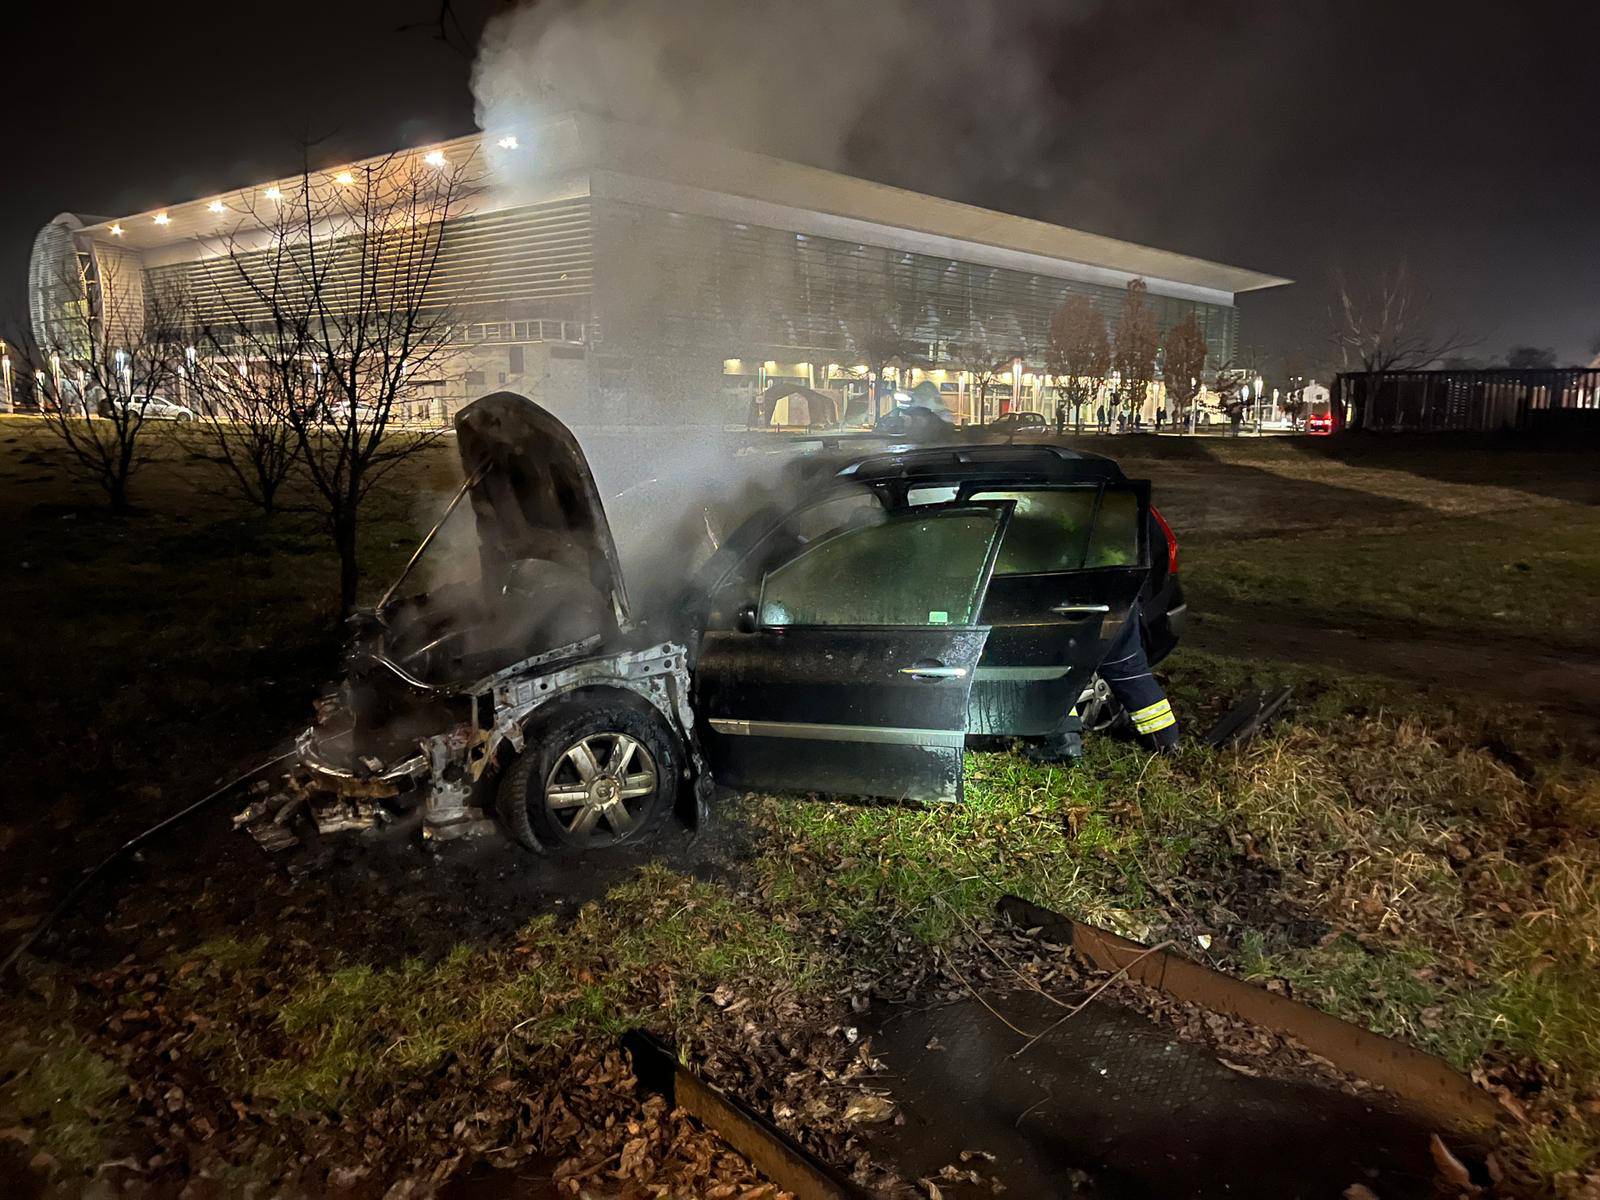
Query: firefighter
(1127,673)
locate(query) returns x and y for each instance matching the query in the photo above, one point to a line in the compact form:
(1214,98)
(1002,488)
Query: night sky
(1291,136)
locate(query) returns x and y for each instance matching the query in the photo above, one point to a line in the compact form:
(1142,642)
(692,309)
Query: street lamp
(1258,404)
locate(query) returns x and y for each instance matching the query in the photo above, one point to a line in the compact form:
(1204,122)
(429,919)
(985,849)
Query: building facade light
(216,206)
(116,230)
(434,158)
(507,143)
(344,179)
(273,193)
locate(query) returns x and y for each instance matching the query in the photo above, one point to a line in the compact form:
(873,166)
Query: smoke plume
(932,93)
(830,82)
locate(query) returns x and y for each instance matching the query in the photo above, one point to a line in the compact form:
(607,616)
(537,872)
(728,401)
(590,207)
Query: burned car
(847,638)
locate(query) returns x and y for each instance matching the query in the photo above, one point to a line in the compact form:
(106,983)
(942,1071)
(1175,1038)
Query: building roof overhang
(577,152)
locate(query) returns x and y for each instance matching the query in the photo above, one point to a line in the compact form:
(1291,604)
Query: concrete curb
(1427,1084)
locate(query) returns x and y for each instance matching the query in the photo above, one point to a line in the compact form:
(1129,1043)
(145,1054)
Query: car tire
(546,801)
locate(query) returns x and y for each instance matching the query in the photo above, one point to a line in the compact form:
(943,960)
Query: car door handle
(1080,610)
(933,672)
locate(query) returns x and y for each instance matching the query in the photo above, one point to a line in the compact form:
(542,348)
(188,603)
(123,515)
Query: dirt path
(1110,1105)
(1506,670)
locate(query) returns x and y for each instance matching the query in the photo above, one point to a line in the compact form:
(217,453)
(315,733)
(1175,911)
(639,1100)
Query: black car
(1019,421)
(845,640)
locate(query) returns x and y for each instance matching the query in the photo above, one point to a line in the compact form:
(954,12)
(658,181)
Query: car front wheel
(597,773)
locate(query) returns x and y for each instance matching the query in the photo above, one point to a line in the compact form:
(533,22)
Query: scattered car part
(772,1152)
(1426,1083)
(1248,717)
(128,847)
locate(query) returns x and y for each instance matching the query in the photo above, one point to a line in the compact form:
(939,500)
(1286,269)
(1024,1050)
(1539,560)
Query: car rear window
(1049,530)
(1116,534)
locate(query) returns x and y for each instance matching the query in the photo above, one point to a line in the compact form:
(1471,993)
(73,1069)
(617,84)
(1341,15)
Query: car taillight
(1172,541)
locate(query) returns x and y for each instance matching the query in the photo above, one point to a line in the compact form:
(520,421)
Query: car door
(1065,582)
(849,669)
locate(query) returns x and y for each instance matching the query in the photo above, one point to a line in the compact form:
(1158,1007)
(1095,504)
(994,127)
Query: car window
(798,530)
(921,569)
(1116,534)
(805,526)
(1049,530)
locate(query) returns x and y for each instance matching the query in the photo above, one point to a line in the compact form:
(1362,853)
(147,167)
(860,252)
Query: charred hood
(533,495)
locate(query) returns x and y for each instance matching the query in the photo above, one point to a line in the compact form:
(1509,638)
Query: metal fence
(1486,400)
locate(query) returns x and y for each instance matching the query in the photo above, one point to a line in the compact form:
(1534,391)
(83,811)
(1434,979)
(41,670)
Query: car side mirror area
(745,619)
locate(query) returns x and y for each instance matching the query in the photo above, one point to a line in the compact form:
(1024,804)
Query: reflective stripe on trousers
(1153,717)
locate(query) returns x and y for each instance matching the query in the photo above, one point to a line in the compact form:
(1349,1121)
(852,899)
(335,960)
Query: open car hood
(533,495)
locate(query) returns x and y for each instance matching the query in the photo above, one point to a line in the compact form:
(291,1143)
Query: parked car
(338,413)
(154,408)
(845,640)
(1019,421)
(1319,423)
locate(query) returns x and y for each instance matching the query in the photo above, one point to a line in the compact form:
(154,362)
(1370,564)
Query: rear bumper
(1165,621)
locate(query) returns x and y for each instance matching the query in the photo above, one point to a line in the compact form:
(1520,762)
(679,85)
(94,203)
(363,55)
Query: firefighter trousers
(1126,670)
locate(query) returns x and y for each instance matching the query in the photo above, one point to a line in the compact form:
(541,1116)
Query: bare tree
(328,293)
(984,361)
(1182,364)
(1078,354)
(882,343)
(105,366)
(1135,347)
(1386,322)
(244,407)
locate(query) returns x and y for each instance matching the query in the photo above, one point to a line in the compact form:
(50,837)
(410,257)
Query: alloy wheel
(599,789)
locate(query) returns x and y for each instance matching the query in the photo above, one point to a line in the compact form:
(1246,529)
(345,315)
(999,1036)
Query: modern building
(600,262)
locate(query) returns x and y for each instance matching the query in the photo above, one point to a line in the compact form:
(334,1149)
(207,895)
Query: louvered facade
(751,292)
(535,262)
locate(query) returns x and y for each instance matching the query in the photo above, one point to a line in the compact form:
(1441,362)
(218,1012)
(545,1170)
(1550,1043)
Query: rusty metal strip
(772,1152)
(1420,1080)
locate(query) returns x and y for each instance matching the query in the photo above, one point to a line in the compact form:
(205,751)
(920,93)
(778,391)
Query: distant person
(1061,419)
(1100,416)
(1161,417)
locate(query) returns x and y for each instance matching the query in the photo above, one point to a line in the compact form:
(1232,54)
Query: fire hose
(128,847)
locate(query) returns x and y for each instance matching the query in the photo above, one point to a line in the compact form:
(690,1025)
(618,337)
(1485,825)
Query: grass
(50,1082)
(1393,873)
(649,952)
(1377,852)
(188,622)
(1524,573)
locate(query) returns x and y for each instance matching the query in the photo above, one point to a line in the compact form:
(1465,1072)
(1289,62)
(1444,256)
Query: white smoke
(829,82)
(895,84)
